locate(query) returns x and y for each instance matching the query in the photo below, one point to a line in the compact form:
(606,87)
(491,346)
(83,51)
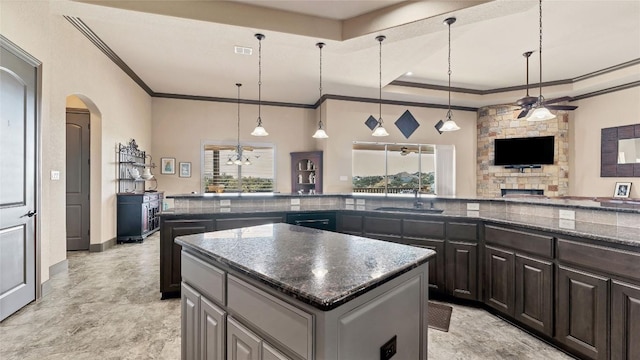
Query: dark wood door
(436,264)
(582,312)
(625,321)
(78,179)
(534,293)
(170,262)
(18,103)
(499,279)
(462,269)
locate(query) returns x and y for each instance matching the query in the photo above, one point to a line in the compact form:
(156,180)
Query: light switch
(295,201)
(567,214)
(55,175)
(473,206)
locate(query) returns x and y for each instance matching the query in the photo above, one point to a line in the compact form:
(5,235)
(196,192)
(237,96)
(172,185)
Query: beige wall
(594,113)
(120,111)
(180,127)
(345,124)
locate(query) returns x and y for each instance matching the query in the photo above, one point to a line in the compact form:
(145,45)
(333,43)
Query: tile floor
(107,306)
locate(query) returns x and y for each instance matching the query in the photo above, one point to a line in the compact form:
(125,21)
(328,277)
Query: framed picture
(623,189)
(168,166)
(185,169)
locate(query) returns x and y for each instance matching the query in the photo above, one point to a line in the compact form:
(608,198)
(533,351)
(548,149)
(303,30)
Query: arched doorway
(83,185)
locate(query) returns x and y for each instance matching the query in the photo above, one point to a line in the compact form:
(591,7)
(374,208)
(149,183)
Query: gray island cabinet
(281,291)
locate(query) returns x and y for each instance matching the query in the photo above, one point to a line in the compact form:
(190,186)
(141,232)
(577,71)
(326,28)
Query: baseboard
(103,246)
(55,269)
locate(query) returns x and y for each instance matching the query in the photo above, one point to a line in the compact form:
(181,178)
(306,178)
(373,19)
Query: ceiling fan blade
(523,113)
(561,107)
(557,100)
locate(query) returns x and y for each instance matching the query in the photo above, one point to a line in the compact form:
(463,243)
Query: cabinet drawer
(422,229)
(288,325)
(613,261)
(196,272)
(462,231)
(522,241)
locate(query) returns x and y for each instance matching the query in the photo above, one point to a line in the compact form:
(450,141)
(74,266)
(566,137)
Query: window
(218,176)
(393,168)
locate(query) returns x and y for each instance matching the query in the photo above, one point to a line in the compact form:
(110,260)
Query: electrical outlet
(295,201)
(388,349)
(55,175)
(225,202)
(473,206)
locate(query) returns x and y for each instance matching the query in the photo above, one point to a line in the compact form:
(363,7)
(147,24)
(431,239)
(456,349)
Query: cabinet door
(212,324)
(190,322)
(462,270)
(270,353)
(170,276)
(582,312)
(242,344)
(534,293)
(382,228)
(436,264)
(350,224)
(499,283)
(625,321)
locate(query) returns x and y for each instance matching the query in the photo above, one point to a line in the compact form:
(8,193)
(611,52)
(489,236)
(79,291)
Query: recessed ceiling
(180,55)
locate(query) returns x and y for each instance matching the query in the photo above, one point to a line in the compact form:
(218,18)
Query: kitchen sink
(411,210)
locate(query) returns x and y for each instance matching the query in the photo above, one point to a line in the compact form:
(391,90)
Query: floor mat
(439,316)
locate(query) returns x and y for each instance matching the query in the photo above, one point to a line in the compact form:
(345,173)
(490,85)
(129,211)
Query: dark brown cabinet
(428,234)
(349,224)
(306,172)
(137,215)
(534,293)
(625,321)
(462,269)
(238,222)
(582,312)
(170,264)
(499,279)
(382,228)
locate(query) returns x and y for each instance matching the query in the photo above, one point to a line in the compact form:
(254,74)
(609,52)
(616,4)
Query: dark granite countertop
(321,268)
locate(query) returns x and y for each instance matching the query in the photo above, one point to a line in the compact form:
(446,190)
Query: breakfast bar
(284,291)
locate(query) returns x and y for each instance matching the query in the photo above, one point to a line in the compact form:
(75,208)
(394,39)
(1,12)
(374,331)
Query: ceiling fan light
(229,162)
(449,125)
(237,162)
(320,134)
(380,131)
(540,114)
(259,131)
(247,161)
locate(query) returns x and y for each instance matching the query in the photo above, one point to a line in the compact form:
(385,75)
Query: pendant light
(380,130)
(259,130)
(448,124)
(540,113)
(320,133)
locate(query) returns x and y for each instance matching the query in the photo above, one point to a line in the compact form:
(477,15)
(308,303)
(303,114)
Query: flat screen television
(524,151)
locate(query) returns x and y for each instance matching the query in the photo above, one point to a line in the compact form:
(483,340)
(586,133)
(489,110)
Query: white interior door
(17,181)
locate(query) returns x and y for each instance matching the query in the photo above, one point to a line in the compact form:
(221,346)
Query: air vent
(241,50)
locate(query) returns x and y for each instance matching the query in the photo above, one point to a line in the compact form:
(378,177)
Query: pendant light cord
(449,73)
(259,79)
(320,45)
(238,85)
(540,49)
(380,39)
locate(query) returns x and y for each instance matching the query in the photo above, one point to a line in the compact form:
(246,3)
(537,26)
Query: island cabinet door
(534,293)
(190,322)
(625,321)
(270,353)
(212,330)
(462,269)
(349,224)
(499,284)
(242,343)
(582,312)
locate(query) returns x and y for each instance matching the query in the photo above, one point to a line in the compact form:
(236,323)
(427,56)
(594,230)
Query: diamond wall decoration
(371,122)
(407,124)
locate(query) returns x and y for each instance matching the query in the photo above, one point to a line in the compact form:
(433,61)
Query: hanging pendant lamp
(380,130)
(448,124)
(540,112)
(236,159)
(320,133)
(259,130)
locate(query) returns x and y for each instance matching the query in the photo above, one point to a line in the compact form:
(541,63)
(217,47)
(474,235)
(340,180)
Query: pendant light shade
(259,130)
(448,124)
(540,113)
(320,133)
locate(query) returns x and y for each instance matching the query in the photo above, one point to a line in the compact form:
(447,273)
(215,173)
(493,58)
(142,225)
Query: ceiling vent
(241,50)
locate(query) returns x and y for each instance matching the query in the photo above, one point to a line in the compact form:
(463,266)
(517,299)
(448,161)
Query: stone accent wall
(500,121)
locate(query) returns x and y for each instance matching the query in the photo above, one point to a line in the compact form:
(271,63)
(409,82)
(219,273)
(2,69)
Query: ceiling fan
(527,102)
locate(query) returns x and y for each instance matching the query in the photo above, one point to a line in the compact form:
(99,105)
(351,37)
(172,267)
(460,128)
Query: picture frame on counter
(185,169)
(622,190)
(167,166)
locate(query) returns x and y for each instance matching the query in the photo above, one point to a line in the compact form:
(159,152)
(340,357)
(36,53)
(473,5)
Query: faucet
(417,204)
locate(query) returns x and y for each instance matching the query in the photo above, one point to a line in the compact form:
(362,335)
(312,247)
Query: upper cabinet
(306,172)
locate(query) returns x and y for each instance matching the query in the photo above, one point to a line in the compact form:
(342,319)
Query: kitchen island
(281,291)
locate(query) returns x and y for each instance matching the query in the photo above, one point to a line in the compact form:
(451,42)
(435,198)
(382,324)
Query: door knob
(29,214)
